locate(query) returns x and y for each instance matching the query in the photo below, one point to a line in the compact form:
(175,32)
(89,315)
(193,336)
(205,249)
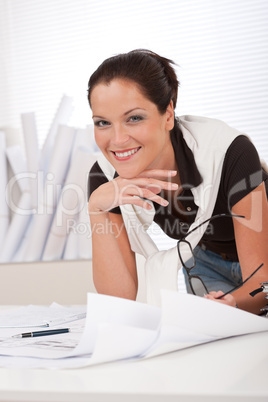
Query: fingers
(152,185)
(217,294)
(155,185)
(145,186)
(136,201)
(132,194)
(228,299)
(155,173)
(136,191)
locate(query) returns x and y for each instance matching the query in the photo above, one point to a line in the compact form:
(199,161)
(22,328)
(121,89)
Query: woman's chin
(126,174)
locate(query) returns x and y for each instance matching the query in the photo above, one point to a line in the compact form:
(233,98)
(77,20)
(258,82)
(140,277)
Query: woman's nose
(120,135)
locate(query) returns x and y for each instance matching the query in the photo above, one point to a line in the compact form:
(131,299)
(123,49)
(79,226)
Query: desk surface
(233,369)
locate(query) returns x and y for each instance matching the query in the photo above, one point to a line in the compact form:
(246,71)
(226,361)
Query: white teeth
(125,154)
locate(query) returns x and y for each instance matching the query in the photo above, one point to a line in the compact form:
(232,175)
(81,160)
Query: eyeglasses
(196,283)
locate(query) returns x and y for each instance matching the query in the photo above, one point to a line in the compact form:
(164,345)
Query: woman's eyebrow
(127,112)
(132,110)
(98,117)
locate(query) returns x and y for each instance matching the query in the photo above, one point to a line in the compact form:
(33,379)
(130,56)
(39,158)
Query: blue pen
(42,333)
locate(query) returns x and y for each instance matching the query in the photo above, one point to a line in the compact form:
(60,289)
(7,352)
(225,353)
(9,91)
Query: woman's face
(129,130)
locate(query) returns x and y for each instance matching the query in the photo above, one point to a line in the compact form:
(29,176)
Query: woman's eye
(135,119)
(101,123)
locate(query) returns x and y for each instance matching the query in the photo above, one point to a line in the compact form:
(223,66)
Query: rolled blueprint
(84,234)
(19,203)
(71,247)
(4,212)
(18,255)
(19,224)
(70,204)
(58,168)
(62,117)
(32,153)
(85,139)
(20,177)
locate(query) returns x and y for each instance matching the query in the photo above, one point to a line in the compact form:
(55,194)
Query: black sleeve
(96,178)
(242,171)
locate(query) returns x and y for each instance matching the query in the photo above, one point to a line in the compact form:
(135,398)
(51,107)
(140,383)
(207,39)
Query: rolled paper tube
(32,152)
(83,139)
(18,226)
(20,176)
(4,211)
(83,231)
(70,203)
(61,117)
(71,247)
(18,256)
(60,160)
(58,169)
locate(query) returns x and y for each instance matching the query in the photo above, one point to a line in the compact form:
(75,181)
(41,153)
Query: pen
(42,333)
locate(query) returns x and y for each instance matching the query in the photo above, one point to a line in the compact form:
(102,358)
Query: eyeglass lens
(197,285)
(185,248)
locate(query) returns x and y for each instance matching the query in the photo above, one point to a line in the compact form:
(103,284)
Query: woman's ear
(170,116)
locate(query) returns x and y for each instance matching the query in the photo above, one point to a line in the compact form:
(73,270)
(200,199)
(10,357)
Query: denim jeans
(216,273)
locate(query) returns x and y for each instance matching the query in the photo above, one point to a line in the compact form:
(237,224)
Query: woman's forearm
(245,301)
(114,271)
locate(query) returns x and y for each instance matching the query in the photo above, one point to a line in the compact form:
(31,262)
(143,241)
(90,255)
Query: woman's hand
(135,191)
(228,299)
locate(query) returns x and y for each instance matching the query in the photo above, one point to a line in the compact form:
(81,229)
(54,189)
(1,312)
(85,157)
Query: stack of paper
(38,218)
(116,329)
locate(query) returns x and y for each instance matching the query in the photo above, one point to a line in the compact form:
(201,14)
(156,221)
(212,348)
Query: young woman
(198,178)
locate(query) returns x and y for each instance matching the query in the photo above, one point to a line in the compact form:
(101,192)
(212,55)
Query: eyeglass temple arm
(239,286)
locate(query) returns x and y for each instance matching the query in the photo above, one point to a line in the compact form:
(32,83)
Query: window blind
(50,48)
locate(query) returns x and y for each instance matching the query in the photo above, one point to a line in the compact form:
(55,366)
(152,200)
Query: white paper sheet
(117,329)
(116,342)
(40,316)
(210,318)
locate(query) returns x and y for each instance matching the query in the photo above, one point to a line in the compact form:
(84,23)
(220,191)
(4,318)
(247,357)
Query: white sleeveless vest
(209,140)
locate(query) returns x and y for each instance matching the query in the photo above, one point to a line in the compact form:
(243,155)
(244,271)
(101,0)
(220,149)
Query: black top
(241,173)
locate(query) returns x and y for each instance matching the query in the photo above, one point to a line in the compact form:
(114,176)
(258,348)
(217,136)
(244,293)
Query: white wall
(64,282)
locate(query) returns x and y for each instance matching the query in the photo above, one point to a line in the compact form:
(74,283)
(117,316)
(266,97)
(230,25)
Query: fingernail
(174,185)
(165,203)
(173,172)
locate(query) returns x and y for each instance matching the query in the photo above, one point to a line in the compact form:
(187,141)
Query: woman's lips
(124,155)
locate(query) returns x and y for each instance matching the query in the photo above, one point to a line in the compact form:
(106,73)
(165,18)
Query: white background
(50,47)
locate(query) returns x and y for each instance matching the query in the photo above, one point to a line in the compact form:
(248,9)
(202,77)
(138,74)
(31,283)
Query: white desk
(234,369)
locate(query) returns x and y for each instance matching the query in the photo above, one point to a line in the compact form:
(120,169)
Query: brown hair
(154,75)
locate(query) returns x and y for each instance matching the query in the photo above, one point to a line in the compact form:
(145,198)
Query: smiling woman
(183,170)
(133,131)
